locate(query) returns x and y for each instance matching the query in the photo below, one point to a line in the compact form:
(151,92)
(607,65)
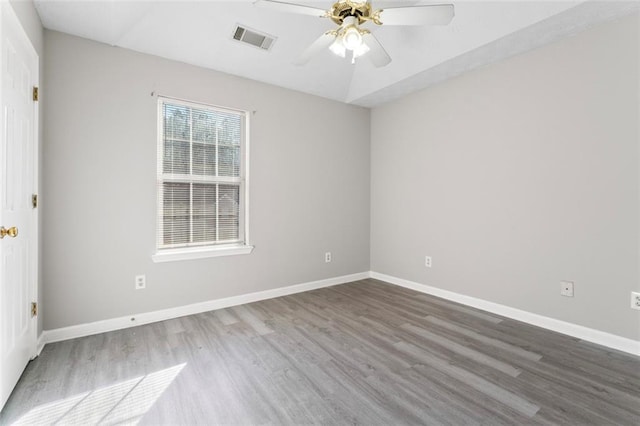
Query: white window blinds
(200,175)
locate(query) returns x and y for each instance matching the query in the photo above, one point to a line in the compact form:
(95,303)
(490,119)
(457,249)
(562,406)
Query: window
(201,181)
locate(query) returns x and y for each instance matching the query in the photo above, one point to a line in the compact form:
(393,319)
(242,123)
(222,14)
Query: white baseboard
(81,330)
(600,337)
(40,344)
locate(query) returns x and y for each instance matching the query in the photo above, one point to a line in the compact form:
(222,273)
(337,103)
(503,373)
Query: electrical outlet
(566,288)
(141,282)
(327,257)
(635,300)
(427,261)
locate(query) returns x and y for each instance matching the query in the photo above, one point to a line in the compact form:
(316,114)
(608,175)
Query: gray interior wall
(517,176)
(26,13)
(309,185)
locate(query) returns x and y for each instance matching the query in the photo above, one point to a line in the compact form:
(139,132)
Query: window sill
(199,253)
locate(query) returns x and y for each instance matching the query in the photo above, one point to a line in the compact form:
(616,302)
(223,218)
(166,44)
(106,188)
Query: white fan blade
(379,57)
(290,8)
(435,14)
(321,43)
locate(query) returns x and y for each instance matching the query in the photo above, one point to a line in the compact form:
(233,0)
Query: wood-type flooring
(365,353)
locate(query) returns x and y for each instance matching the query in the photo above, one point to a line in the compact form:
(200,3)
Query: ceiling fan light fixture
(360,50)
(351,38)
(350,14)
(338,48)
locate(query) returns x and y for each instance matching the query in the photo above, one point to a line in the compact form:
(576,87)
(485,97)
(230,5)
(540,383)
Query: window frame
(167,253)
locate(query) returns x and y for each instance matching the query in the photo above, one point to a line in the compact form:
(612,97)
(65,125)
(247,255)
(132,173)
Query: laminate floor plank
(463,350)
(463,397)
(401,311)
(489,341)
(577,409)
(432,300)
(471,379)
(365,353)
(226,316)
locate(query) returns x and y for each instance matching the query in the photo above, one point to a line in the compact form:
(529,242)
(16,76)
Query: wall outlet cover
(635,300)
(566,288)
(141,282)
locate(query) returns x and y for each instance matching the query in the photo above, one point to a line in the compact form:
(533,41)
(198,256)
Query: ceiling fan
(349,39)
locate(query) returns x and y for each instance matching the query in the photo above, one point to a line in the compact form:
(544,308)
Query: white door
(18,218)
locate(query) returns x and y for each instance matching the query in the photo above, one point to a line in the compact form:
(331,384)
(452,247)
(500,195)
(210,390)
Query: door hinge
(34,309)
(35,93)
(34,200)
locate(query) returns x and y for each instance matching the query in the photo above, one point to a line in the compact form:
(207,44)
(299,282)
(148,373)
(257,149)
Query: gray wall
(309,185)
(519,175)
(26,13)
(512,177)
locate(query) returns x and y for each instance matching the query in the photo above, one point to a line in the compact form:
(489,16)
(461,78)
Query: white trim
(596,336)
(244,171)
(40,345)
(65,333)
(198,104)
(199,253)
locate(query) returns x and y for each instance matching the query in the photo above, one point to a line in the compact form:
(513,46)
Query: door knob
(12,232)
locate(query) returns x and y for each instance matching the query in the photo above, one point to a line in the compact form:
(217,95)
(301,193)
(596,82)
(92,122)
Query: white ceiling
(199,33)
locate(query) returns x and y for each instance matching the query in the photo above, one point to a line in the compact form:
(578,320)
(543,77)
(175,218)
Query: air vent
(253,37)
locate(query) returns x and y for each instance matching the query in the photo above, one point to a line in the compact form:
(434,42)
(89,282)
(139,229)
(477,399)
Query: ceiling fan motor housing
(346,8)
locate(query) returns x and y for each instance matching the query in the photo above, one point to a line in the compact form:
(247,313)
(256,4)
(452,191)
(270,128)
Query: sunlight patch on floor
(121,403)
